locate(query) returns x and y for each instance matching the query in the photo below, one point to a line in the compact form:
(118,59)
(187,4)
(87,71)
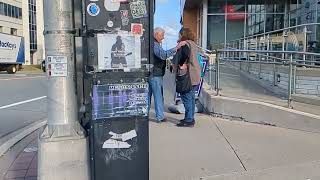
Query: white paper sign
(117,51)
(57,59)
(57,66)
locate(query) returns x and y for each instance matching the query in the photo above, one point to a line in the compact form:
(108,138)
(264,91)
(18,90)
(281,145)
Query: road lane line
(8,79)
(22,102)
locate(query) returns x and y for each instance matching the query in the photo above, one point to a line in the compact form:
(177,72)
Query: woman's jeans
(189,103)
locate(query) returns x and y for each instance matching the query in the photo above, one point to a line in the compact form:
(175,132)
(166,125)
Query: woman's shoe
(183,123)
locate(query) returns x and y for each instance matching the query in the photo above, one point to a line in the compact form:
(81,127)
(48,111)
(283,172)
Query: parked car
(43,65)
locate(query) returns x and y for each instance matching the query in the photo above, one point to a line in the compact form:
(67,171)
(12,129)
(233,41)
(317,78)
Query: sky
(167,16)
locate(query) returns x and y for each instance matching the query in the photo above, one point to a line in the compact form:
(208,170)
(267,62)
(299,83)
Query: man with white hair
(158,71)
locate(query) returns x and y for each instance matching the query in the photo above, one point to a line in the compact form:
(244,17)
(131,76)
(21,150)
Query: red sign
(136,29)
(232,14)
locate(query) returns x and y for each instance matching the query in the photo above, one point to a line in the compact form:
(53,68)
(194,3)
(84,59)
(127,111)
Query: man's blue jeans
(189,103)
(156,89)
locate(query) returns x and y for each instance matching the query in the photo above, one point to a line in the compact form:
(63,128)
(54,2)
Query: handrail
(272,57)
(280,30)
(267,51)
(225,55)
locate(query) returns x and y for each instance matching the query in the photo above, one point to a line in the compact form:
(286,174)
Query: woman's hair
(186,34)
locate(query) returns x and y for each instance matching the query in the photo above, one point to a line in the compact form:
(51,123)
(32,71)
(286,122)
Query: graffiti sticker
(136,29)
(124,17)
(138,9)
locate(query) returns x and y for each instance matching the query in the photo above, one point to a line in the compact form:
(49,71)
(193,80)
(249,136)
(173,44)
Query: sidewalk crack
(234,151)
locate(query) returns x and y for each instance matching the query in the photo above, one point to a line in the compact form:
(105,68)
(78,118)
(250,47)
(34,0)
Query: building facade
(248,23)
(25,18)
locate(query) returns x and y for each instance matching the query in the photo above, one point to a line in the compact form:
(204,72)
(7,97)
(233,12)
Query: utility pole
(63,147)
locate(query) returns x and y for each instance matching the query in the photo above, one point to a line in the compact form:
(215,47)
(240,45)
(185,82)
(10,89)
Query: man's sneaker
(186,124)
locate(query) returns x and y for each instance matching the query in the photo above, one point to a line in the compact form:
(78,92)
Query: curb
(11,139)
(313,100)
(259,112)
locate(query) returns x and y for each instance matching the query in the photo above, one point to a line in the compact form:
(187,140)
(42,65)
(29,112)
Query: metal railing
(299,38)
(292,62)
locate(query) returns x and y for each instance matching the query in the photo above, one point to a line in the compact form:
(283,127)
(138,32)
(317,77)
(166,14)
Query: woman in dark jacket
(187,62)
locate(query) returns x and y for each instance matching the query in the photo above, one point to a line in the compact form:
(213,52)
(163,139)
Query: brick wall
(190,16)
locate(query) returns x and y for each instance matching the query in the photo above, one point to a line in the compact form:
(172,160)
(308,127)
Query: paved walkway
(215,149)
(236,85)
(222,149)
(24,166)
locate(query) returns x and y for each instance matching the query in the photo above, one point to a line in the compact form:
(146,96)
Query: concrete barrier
(259,112)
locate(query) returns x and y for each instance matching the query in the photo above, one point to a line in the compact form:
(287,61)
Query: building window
(5,9)
(1,8)
(13,31)
(1,28)
(20,13)
(32,25)
(230,20)
(10,11)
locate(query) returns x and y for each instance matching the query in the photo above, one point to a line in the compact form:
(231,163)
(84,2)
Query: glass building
(254,24)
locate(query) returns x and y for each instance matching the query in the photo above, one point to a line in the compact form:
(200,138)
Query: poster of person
(119,51)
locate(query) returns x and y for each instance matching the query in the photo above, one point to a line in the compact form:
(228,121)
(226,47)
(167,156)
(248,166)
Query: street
(22,100)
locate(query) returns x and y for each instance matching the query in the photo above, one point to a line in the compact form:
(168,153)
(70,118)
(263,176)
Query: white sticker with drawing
(125,136)
(114,144)
(118,141)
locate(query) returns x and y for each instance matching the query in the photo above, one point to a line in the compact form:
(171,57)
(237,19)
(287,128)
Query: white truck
(11,53)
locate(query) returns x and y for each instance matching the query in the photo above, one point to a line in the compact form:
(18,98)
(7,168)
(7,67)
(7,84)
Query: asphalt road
(22,100)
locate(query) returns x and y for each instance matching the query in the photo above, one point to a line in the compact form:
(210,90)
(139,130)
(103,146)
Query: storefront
(237,23)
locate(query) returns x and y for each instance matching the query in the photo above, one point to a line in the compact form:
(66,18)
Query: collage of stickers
(122,28)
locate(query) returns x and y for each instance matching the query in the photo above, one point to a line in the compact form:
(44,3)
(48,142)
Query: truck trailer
(11,53)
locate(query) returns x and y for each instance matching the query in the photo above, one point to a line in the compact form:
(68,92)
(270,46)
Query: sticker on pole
(138,9)
(93,9)
(120,100)
(118,141)
(119,51)
(57,66)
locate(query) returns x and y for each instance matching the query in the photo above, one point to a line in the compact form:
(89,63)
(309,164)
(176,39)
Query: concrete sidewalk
(20,162)
(25,165)
(215,149)
(222,149)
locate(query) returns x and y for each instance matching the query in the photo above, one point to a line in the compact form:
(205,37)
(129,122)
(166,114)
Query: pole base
(63,158)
